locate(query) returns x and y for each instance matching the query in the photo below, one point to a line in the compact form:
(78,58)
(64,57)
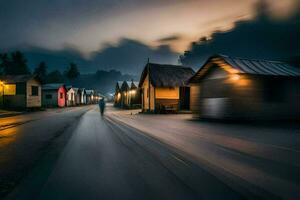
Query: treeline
(15,63)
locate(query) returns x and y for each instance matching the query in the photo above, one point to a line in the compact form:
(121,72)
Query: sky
(92,25)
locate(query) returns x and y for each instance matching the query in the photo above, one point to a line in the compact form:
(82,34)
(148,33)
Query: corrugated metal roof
(247,66)
(261,67)
(52,86)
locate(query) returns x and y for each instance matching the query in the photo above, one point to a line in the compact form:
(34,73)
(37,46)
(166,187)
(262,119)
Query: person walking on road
(102,106)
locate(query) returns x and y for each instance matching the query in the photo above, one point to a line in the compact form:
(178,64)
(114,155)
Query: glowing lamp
(133,92)
(235,77)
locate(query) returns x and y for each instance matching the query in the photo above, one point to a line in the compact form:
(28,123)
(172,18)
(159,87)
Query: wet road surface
(125,156)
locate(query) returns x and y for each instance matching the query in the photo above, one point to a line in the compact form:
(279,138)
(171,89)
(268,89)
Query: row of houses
(223,88)
(26,92)
(127,94)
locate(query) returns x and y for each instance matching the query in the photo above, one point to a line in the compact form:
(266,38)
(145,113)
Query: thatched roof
(166,75)
(247,66)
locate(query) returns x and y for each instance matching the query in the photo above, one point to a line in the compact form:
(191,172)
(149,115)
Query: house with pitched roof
(164,88)
(20,92)
(237,88)
(118,94)
(130,94)
(54,95)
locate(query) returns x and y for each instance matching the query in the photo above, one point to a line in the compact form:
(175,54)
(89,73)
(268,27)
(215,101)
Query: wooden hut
(20,92)
(82,93)
(134,95)
(164,88)
(118,94)
(90,96)
(235,88)
(125,94)
(77,94)
(71,94)
(54,95)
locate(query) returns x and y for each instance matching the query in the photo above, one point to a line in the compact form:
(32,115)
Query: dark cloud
(170,38)
(262,38)
(129,56)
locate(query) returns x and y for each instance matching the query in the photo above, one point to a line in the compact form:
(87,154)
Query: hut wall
(71,97)
(61,97)
(49,98)
(249,97)
(146,94)
(253,100)
(195,98)
(215,99)
(15,96)
(34,99)
(167,93)
(77,98)
(135,99)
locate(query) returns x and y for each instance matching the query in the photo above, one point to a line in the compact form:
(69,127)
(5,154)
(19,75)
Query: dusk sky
(90,25)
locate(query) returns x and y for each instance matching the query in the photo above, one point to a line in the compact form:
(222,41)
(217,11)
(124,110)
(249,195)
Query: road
(125,155)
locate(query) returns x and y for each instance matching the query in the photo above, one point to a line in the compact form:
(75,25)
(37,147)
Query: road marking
(180,160)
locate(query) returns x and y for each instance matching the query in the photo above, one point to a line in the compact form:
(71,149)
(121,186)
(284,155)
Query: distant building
(71,95)
(82,93)
(90,96)
(77,94)
(130,95)
(20,92)
(118,94)
(164,88)
(235,88)
(54,95)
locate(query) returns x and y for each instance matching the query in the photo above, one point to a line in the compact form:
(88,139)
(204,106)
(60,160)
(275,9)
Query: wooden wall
(195,98)
(167,92)
(33,101)
(146,93)
(224,97)
(50,102)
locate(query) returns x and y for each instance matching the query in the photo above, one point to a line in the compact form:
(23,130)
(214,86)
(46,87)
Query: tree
(72,72)
(40,72)
(55,77)
(4,61)
(16,64)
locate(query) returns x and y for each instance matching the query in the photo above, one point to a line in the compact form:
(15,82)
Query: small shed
(82,93)
(133,96)
(164,88)
(77,96)
(90,96)
(118,94)
(71,95)
(20,92)
(54,95)
(125,88)
(237,88)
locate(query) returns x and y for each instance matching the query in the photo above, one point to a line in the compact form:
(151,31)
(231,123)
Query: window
(48,96)
(9,89)
(61,95)
(34,91)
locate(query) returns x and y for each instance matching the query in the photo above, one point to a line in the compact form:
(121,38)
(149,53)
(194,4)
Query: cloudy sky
(92,25)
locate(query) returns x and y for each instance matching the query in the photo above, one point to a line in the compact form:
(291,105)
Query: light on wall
(235,77)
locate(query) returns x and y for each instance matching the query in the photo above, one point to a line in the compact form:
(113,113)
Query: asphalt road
(128,156)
